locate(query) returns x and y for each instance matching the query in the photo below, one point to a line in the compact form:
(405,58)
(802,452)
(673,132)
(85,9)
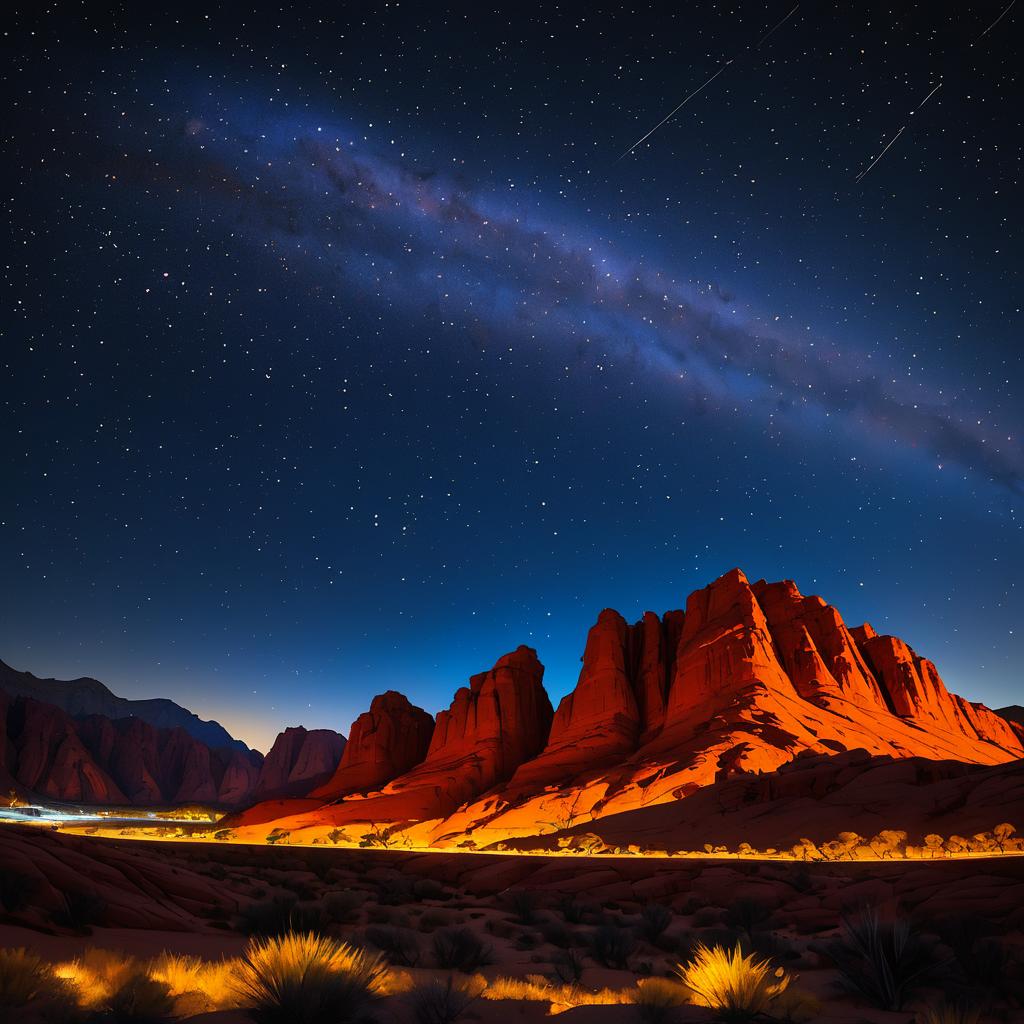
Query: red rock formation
(300,760)
(492,726)
(759,674)
(383,743)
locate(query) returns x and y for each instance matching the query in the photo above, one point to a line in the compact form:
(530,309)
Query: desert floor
(550,918)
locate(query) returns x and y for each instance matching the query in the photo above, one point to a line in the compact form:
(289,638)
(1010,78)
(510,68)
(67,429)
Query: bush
(611,946)
(399,945)
(947,1013)
(428,889)
(461,949)
(139,999)
(523,904)
(738,987)
(656,998)
(747,914)
(884,962)
(441,1002)
(23,977)
(279,915)
(573,911)
(654,919)
(341,906)
(567,967)
(308,979)
(197,985)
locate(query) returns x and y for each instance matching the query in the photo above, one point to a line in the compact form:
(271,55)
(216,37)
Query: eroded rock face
(127,761)
(492,726)
(384,742)
(300,760)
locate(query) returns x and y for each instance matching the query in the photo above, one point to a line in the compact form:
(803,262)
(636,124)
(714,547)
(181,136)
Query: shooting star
(780,23)
(863,174)
(671,113)
(996,22)
(700,88)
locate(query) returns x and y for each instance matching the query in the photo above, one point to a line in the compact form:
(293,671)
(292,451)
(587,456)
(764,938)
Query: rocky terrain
(745,679)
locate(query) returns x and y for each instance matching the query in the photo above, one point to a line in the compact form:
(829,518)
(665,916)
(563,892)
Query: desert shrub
(567,967)
(308,979)
(556,934)
(737,987)
(196,985)
(949,1013)
(279,915)
(747,914)
(400,945)
(82,909)
(138,999)
(341,906)
(987,967)
(428,889)
(442,1002)
(433,918)
(461,949)
(882,961)
(657,998)
(23,977)
(523,905)
(611,946)
(97,974)
(574,911)
(654,919)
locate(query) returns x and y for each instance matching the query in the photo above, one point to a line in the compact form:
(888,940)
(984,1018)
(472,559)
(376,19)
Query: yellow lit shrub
(656,998)
(196,985)
(97,975)
(308,979)
(739,987)
(23,977)
(946,1013)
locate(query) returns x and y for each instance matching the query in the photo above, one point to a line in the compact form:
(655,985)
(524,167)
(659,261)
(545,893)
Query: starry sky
(348,348)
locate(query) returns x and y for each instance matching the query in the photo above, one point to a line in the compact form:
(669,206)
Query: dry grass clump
(656,998)
(96,975)
(308,979)
(948,1013)
(23,977)
(461,949)
(196,985)
(537,988)
(444,1002)
(738,987)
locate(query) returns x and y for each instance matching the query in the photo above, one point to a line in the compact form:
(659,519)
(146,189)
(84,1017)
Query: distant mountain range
(86,696)
(75,741)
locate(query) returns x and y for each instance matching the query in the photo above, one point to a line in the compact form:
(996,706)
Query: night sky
(347,350)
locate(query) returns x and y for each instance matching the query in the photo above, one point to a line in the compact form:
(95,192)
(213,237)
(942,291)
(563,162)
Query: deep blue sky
(346,351)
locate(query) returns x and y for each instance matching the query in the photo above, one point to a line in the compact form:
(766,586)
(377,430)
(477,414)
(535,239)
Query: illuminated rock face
(384,742)
(125,761)
(300,760)
(746,679)
(492,726)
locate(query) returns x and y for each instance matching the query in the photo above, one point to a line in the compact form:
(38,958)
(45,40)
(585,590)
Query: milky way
(417,238)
